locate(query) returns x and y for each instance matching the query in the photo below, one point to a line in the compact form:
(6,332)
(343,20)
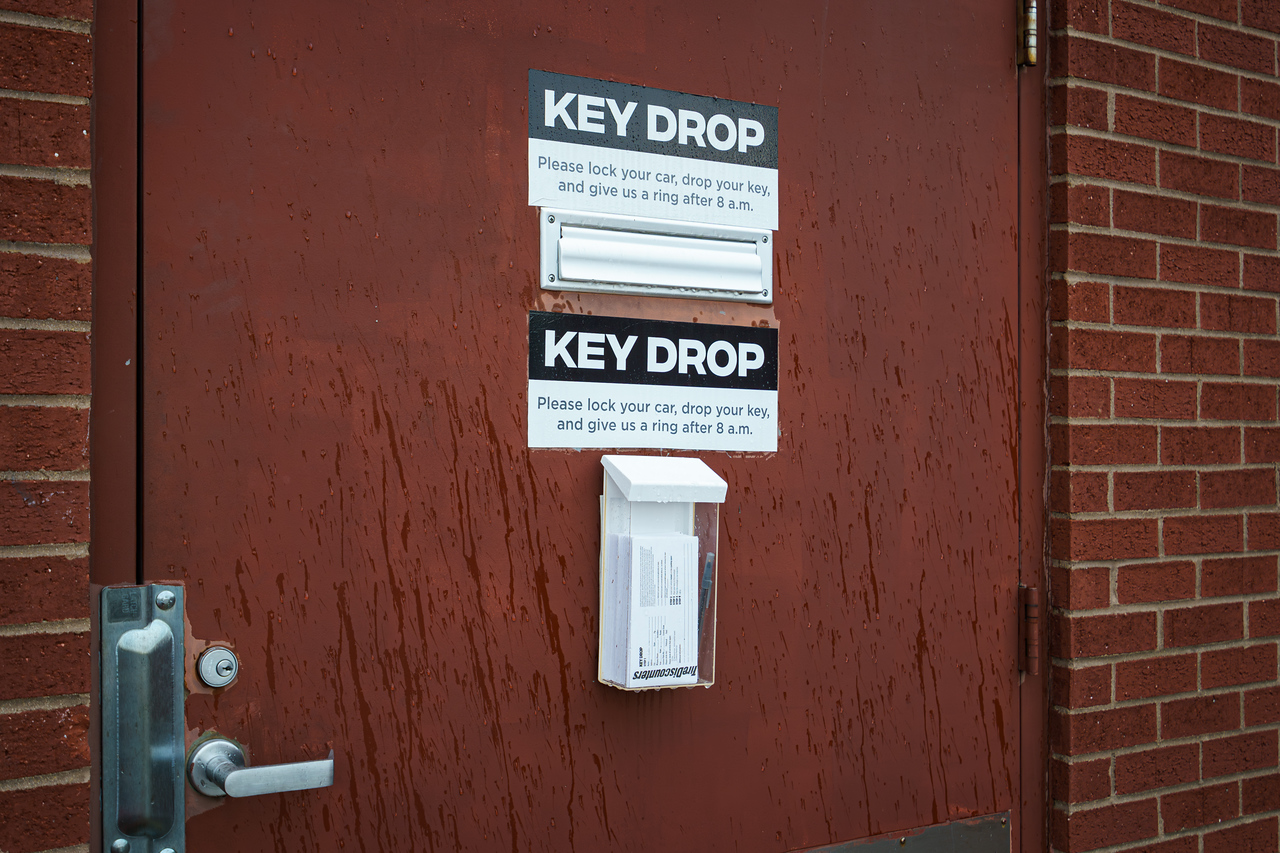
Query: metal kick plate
(987,834)
(143,739)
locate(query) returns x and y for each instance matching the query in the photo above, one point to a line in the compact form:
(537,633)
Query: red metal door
(338,265)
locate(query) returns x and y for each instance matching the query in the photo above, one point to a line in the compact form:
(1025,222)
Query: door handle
(217,768)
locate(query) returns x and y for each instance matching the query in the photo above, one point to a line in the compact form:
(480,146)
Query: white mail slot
(616,254)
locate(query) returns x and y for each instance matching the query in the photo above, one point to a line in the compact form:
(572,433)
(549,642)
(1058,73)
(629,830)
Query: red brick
(1262,358)
(1145,582)
(1081,688)
(77,10)
(1154,398)
(1262,272)
(1264,618)
(1245,487)
(1251,228)
(1102,827)
(44,288)
(44,818)
(1200,715)
(1080,396)
(1094,731)
(1080,781)
(1187,354)
(1094,349)
(1084,301)
(39,60)
(1237,49)
(1200,807)
(1193,173)
(1079,106)
(1083,204)
(40,211)
(1236,667)
(1154,214)
(1085,492)
(1153,27)
(1155,490)
(1222,9)
(1237,576)
(1185,81)
(1157,768)
(1229,312)
(32,132)
(1260,794)
(1091,636)
(37,512)
(1103,62)
(1260,184)
(1262,444)
(1263,14)
(1088,16)
(1203,534)
(1103,158)
(1104,539)
(34,743)
(1105,444)
(1262,706)
(39,588)
(1102,254)
(1264,531)
(1198,265)
(43,665)
(1155,306)
(1163,676)
(36,437)
(1211,623)
(1260,98)
(1199,445)
(1238,137)
(1236,754)
(1082,588)
(1254,837)
(1226,402)
(37,361)
(1154,120)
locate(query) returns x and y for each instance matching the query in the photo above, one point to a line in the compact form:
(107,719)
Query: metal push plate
(143,740)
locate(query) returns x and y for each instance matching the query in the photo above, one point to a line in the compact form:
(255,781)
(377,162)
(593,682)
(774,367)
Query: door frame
(115,440)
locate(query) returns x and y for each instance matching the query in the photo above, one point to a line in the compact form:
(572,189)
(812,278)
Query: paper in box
(660,526)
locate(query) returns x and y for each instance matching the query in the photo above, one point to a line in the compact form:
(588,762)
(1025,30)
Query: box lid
(665,479)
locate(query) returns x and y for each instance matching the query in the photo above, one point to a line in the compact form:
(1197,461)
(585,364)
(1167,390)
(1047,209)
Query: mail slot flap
(599,252)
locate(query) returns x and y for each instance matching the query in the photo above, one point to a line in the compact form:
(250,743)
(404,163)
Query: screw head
(551,219)
(120,845)
(165,600)
(551,277)
(765,239)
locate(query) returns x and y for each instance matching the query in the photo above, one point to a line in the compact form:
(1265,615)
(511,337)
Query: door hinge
(1029,629)
(1027,53)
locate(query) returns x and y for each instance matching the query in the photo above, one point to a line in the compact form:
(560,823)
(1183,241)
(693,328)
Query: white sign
(611,382)
(607,147)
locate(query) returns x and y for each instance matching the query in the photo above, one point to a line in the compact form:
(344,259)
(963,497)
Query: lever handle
(217,769)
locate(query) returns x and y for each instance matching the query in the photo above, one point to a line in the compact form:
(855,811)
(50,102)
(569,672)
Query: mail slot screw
(551,219)
(164,601)
(765,239)
(551,277)
(120,845)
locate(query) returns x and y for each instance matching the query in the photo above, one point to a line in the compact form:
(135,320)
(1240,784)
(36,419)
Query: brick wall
(1165,436)
(45,279)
